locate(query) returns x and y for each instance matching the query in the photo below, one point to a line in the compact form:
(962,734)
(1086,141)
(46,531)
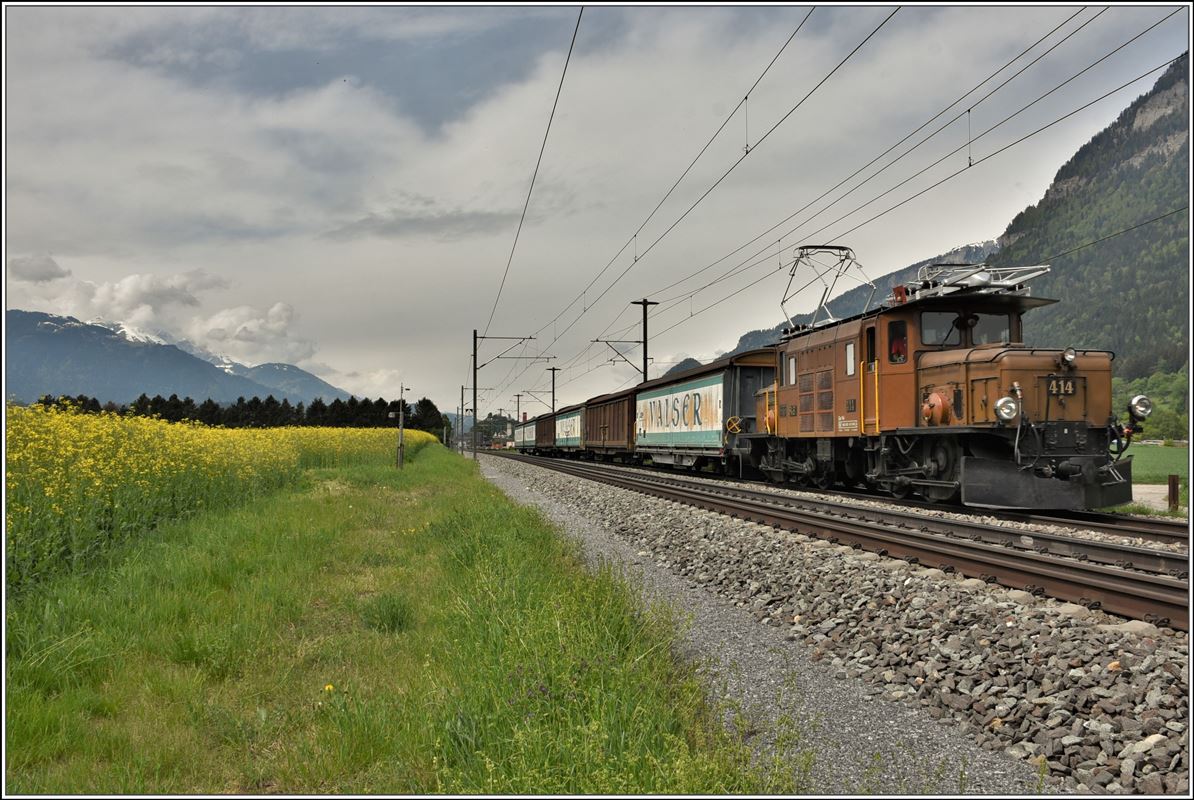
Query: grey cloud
(454,118)
(445,225)
(36,268)
(251,336)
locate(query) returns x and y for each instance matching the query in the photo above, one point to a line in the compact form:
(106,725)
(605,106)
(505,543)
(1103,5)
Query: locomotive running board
(990,483)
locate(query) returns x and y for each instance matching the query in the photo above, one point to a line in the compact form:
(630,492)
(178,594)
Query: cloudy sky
(339,188)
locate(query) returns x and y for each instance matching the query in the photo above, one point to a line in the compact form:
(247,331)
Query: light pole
(401,425)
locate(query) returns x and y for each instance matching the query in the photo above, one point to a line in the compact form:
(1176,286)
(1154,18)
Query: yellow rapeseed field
(78,481)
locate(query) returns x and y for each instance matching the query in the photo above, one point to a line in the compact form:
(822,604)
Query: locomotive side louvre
(845,380)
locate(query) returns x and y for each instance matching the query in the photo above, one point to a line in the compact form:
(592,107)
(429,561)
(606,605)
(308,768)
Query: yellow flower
(73,479)
(329,688)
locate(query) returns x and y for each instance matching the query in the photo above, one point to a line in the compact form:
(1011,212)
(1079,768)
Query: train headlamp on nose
(1068,355)
(1006,408)
(1140,407)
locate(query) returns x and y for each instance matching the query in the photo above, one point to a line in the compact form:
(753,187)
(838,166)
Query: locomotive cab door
(868,377)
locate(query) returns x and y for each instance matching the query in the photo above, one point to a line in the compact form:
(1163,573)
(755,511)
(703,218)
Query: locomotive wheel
(946,457)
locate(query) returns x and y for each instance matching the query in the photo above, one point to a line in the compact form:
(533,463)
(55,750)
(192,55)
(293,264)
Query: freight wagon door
(868,378)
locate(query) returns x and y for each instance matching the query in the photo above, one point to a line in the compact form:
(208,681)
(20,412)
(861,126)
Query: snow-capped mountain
(223,362)
(131,333)
(50,354)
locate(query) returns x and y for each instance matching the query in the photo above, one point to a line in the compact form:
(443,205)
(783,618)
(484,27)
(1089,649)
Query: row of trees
(272,413)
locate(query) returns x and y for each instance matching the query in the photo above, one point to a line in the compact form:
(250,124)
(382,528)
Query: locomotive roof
(978,300)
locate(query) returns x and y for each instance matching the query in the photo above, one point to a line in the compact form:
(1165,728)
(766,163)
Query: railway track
(1136,582)
(1153,530)
(1159,529)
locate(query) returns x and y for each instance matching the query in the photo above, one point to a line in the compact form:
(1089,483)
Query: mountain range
(55,355)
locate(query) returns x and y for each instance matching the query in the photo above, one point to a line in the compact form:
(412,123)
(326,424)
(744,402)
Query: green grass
(372,631)
(1153,463)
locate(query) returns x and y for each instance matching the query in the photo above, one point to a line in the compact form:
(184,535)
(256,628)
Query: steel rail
(1156,598)
(1154,530)
(1164,530)
(1122,555)
(1159,529)
(1127,556)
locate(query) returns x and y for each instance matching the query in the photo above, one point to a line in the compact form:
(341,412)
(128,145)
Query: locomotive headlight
(1069,354)
(1006,408)
(1140,407)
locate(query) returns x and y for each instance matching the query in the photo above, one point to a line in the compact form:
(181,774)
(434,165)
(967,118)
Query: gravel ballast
(872,669)
(881,648)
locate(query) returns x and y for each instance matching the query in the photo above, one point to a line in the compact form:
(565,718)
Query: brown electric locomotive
(933,392)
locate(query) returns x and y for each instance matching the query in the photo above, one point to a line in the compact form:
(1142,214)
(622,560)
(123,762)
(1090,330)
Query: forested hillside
(1130,293)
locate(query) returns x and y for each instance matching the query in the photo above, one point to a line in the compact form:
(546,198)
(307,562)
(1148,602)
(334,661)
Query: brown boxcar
(609,423)
(545,432)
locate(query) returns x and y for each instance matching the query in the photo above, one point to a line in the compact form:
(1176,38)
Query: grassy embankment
(1153,464)
(368,631)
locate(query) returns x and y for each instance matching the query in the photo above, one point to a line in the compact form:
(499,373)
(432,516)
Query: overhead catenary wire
(634,237)
(945,179)
(717,183)
(881,155)
(667,303)
(970,139)
(1117,233)
(747,264)
(975,104)
(535,174)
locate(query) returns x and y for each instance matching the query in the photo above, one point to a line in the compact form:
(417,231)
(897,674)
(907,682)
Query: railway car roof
(712,366)
(606,398)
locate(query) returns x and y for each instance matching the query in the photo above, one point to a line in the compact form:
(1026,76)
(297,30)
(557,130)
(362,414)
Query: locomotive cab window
(897,342)
(941,328)
(850,365)
(990,329)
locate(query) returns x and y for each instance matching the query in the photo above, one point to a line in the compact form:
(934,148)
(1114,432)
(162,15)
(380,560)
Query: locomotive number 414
(1061,386)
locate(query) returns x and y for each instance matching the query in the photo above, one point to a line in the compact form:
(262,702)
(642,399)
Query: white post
(401,427)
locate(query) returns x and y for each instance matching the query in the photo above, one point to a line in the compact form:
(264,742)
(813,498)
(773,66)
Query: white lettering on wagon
(568,427)
(688,409)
